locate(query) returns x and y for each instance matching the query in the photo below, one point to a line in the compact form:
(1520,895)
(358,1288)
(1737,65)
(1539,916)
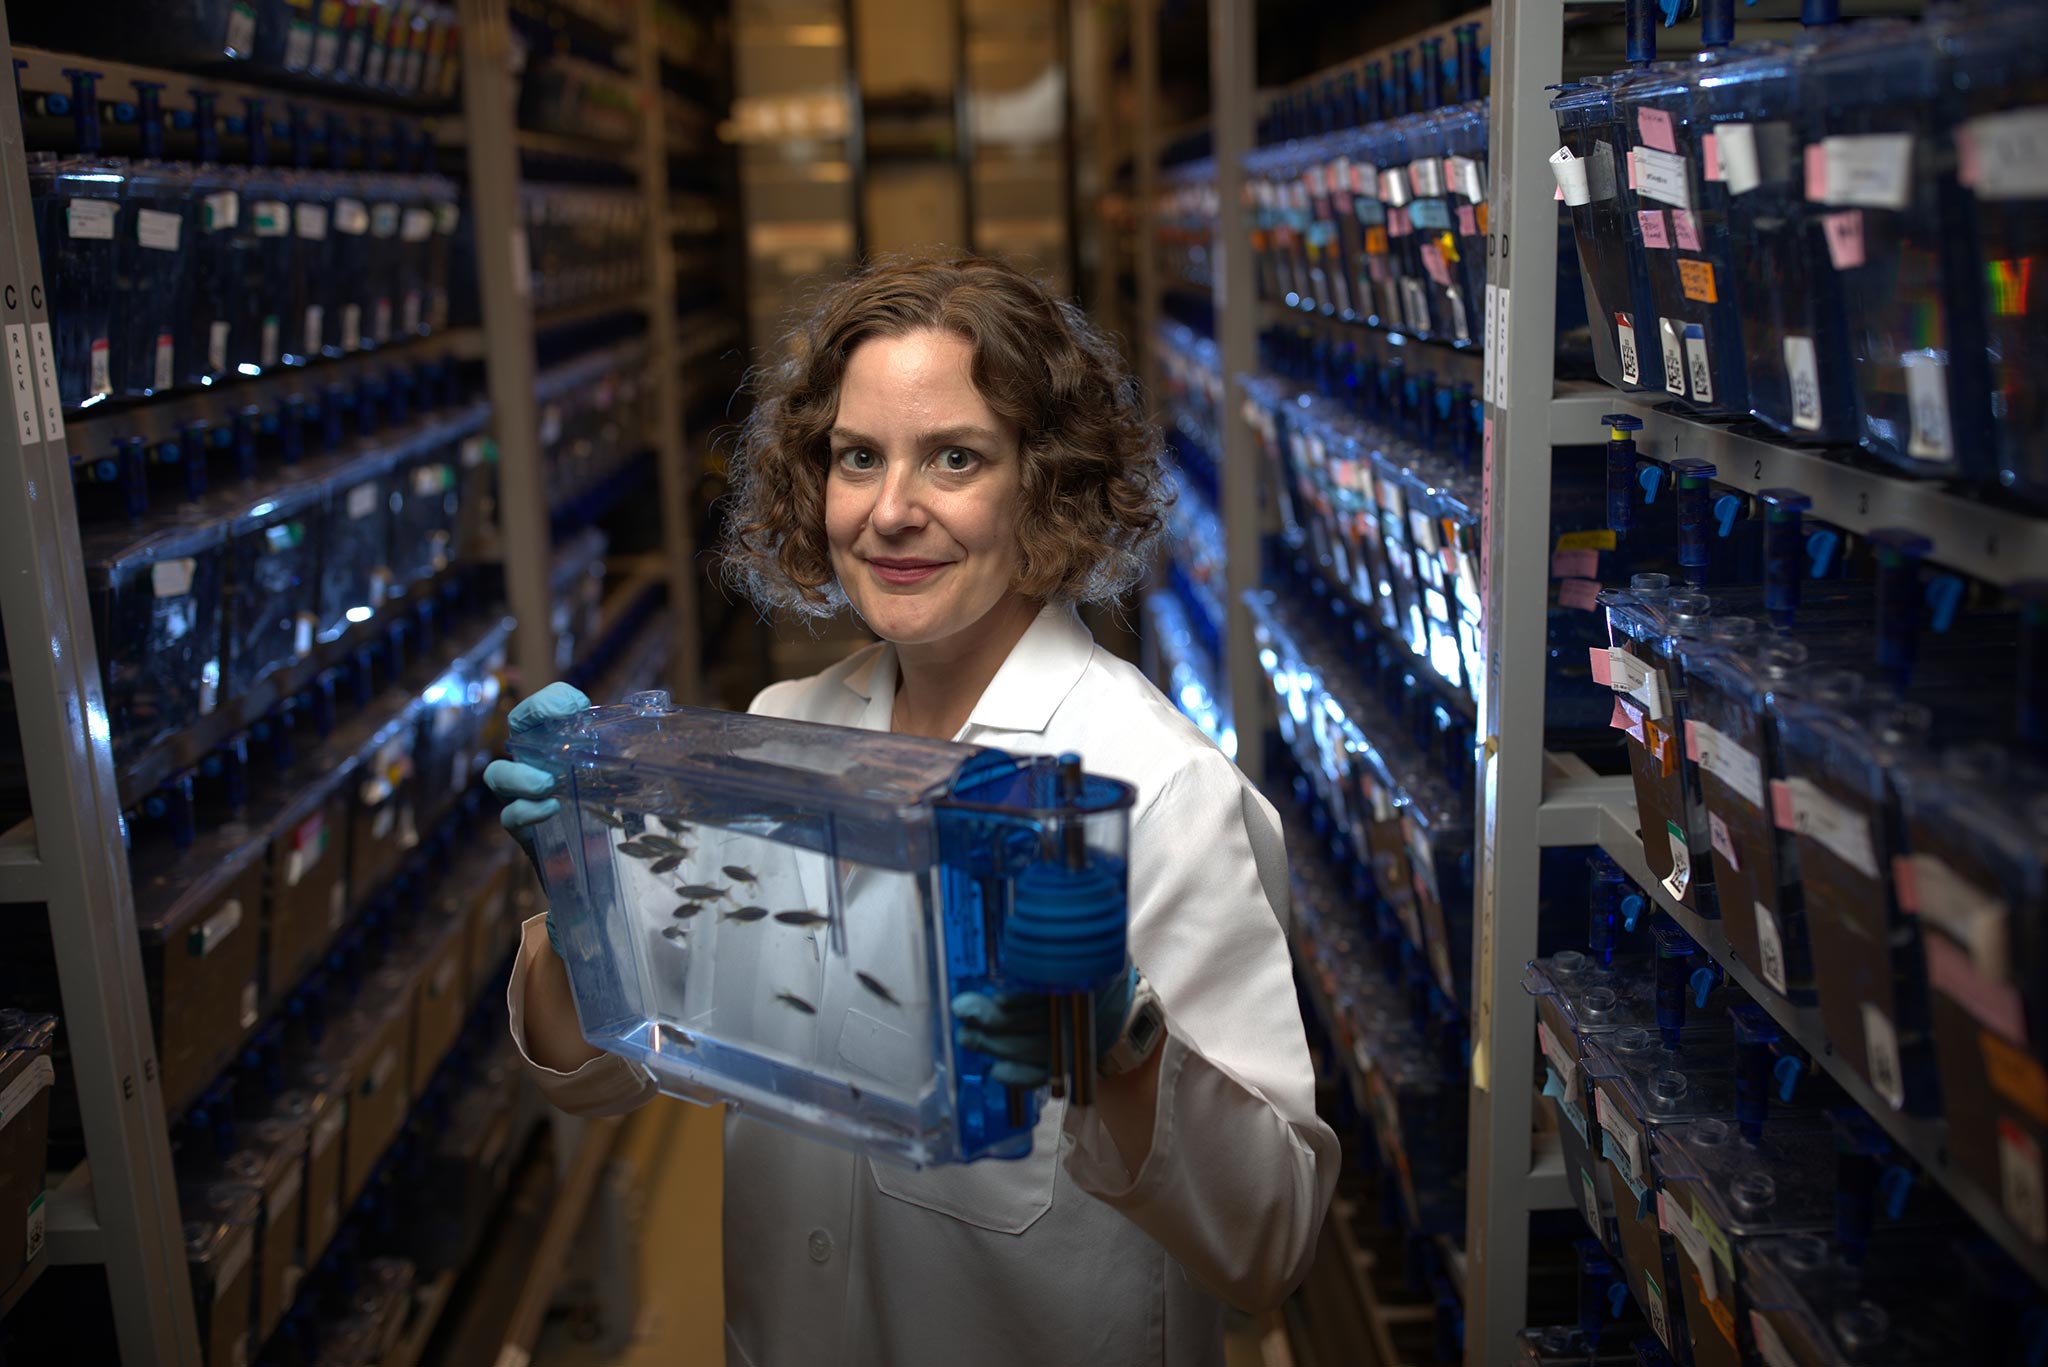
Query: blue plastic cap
(1896,1184)
(1626,422)
(1944,597)
(1727,511)
(1651,477)
(1902,542)
(1632,909)
(1788,1070)
(1617,1300)
(1704,980)
(1694,467)
(1784,500)
(1820,550)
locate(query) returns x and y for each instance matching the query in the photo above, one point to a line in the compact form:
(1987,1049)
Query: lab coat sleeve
(1241,1169)
(607,1085)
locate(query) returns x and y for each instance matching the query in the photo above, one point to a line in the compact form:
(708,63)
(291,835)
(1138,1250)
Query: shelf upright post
(1233,76)
(673,459)
(66,748)
(505,289)
(1528,47)
(1144,186)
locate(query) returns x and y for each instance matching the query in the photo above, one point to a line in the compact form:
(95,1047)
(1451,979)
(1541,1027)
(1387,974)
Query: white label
(1589,1199)
(166,360)
(1927,395)
(1881,1053)
(1672,1219)
(1570,174)
(270,340)
(1869,170)
(1803,371)
(23,380)
(1466,177)
(46,380)
(362,501)
(101,364)
(351,327)
(158,230)
(1769,1346)
(1415,303)
(172,578)
(1680,876)
(1972,917)
(220,211)
(326,47)
(236,1260)
(1631,359)
(283,1194)
(217,347)
(1674,357)
(409,311)
(33,1244)
(241,35)
(472,452)
(2010,154)
(217,927)
(249,1006)
(1720,756)
(2019,1181)
(92,219)
(1653,1308)
(1488,389)
(272,217)
(298,45)
(1662,176)
(311,220)
(446,217)
(39,1074)
(1846,833)
(417,225)
(1560,1058)
(315,316)
(337,905)
(1722,843)
(329,1129)
(522,266)
(1770,948)
(1626,1137)
(1736,145)
(1697,368)
(351,217)
(1637,679)
(1394,187)
(386,818)
(1503,365)
(1427,176)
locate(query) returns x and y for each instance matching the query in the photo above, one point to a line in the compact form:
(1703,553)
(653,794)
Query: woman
(960,458)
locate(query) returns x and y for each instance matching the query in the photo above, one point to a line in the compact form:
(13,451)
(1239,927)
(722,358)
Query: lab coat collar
(1042,668)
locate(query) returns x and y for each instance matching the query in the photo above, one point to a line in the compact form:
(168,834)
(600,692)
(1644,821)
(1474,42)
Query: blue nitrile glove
(528,793)
(1016,1029)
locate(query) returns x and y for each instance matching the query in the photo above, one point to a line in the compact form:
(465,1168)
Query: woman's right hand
(527,792)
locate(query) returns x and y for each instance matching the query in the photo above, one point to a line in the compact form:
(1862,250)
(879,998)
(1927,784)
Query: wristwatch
(1144,1028)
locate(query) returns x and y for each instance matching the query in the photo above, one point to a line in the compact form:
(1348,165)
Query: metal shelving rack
(1531,799)
(119,1209)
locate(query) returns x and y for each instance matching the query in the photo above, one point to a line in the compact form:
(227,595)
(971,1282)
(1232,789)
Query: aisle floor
(683,1325)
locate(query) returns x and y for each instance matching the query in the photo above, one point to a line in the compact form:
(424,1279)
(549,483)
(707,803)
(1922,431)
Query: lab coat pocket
(1004,1195)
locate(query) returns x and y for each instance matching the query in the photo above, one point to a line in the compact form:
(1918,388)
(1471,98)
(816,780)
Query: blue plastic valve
(1894,1186)
(1944,597)
(1820,550)
(1727,512)
(1704,981)
(1617,1300)
(1632,908)
(1651,477)
(1787,1071)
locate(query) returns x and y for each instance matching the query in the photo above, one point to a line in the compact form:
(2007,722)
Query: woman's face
(922,498)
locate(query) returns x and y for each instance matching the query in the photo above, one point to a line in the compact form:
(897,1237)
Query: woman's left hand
(1015,1028)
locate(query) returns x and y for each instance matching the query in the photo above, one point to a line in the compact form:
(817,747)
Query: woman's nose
(898,505)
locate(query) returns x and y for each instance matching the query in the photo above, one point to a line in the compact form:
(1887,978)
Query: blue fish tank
(777,914)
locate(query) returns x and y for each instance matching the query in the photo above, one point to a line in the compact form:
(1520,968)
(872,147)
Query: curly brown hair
(1093,484)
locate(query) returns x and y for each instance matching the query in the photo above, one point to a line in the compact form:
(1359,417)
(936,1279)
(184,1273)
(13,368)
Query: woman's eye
(954,460)
(857,459)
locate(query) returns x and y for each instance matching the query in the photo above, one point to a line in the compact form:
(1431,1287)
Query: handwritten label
(1720,755)
(1868,170)
(1844,233)
(90,219)
(1662,176)
(1654,127)
(1651,222)
(1672,1219)
(2008,154)
(1722,843)
(1685,232)
(1696,278)
(1808,811)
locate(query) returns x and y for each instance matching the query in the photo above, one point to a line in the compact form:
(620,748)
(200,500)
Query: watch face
(1144,1030)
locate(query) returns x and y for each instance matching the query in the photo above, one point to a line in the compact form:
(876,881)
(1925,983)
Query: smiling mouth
(905,571)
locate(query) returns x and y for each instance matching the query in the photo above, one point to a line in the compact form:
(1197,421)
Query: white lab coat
(1064,1258)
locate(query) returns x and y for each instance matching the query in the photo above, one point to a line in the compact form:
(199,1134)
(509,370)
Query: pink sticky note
(1683,231)
(1952,974)
(1845,238)
(1692,743)
(1652,221)
(1906,883)
(1580,564)
(1468,225)
(1966,157)
(1627,718)
(1710,157)
(1603,667)
(1581,594)
(1559,195)
(1816,173)
(1433,262)
(1631,158)
(1654,126)
(1781,804)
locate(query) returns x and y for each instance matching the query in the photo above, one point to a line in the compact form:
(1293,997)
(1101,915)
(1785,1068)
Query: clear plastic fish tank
(778,914)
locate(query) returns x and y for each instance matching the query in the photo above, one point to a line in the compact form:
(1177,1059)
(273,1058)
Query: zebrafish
(876,987)
(672,933)
(805,918)
(668,863)
(686,910)
(605,815)
(740,874)
(798,1002)
(673,825)
(634,850)
(662,843)
(700,891)
(745,914)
